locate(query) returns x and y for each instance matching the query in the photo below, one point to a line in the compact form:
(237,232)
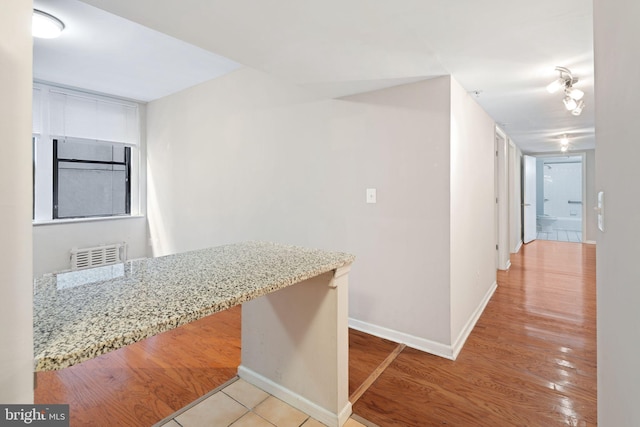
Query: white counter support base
(295,346)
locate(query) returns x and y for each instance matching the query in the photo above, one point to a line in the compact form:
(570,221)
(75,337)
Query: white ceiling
(105,53)
(505,49)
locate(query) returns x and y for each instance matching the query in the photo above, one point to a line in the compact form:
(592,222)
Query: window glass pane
(90,166)
(118,154)
(93,184)
(91,192)
(87,151)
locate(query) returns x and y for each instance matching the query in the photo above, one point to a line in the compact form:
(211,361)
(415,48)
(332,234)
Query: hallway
(530,361)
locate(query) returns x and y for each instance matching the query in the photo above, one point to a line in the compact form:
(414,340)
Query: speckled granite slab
(81,315)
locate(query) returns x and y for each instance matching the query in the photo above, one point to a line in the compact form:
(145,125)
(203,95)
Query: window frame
(55,118)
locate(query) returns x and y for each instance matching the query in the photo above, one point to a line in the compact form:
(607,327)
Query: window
(91,179)
(87,156)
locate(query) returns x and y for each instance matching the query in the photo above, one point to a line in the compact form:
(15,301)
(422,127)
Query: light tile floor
(561,235)
(240,404)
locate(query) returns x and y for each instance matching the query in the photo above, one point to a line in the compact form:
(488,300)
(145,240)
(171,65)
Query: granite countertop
(82,314)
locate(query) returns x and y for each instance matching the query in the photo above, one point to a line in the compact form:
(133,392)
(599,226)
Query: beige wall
(398,141)
(248,157)
(473,233)
(16,289)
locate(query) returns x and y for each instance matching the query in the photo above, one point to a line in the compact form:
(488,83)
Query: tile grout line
(180,411)
(249,410)
(357,394)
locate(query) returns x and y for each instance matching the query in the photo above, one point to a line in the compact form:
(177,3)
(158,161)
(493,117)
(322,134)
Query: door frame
(583,157)
(503,253)
(515,197)
(525,192)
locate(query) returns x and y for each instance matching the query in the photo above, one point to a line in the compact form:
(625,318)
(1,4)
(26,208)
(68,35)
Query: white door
(529,199)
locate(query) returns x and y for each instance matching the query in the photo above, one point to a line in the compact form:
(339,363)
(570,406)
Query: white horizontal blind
(91,117)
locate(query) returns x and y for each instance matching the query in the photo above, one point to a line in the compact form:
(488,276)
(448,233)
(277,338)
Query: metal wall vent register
(98,256)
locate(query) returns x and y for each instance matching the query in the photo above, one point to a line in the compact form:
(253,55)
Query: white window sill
(92,219)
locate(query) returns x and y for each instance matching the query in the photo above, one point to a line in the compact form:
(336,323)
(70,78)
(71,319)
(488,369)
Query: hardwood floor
(142,383)
(531,360)
(366,354)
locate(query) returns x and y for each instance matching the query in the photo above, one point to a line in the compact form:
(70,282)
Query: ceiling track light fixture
(572,97)
(45,26)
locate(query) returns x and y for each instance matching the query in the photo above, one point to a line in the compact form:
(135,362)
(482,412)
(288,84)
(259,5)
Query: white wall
(16,289)
(616,33)
(473,233)
(591,218)
(240,157)
(246,157)
(52,243)
(564,183)
(398,142)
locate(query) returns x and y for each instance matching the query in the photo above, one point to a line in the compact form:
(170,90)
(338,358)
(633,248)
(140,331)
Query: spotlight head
(555,85)
(564,148)
(578,108)
(574,93)
(569,103)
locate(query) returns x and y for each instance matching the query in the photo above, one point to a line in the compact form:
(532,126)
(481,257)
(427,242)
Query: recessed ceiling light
(45,26)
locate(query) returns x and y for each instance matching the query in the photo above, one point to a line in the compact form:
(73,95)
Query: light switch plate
(371,195)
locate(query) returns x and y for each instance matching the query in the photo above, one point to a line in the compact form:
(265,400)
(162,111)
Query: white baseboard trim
(518,246)
(422,344)
(471,323)
(590,242)
(299,402)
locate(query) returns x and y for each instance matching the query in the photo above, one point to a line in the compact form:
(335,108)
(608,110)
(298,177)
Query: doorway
(559,198)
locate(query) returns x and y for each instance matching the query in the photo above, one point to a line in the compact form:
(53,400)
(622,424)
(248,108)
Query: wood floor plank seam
(375,374)
(531,359)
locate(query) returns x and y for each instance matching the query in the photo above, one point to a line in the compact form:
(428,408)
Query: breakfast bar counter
(79,315)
